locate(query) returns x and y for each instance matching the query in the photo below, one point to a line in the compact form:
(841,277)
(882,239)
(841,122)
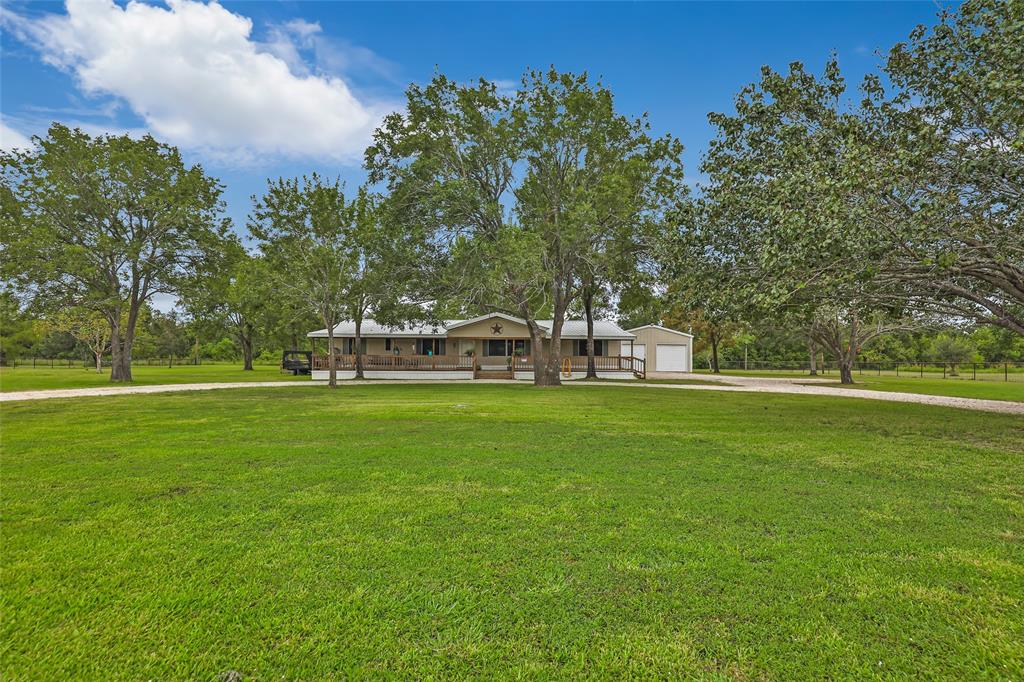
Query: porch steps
(493,374)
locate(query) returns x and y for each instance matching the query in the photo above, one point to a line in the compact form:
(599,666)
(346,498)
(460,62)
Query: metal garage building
(664,349)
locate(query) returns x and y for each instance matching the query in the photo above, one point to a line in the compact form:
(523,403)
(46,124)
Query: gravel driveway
(731,384)
(805,386)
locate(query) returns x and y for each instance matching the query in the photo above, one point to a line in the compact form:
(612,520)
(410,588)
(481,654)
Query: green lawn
(505,531)
(29,379)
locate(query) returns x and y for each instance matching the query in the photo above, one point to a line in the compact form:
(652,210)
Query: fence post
(974,371)
(897,370)
(921,368)
(943,370)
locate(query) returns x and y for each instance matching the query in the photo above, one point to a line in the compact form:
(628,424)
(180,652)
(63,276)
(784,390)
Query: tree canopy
(105,223)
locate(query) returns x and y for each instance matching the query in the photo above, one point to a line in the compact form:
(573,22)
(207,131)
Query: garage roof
(658,326)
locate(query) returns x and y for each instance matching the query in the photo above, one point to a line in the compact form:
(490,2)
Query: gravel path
(125,390)
(730,384)
(807,387)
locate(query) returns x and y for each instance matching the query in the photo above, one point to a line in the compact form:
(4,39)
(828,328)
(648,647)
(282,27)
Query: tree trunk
(358,349)
(714,354)
(551,375)
(99,361)
(588,303)
(246,343)
(845,370)
(120,350)
(813,351)
(541,360)
(332,371)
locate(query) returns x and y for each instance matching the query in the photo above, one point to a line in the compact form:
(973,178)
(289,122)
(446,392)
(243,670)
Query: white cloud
(505,86)
(12,139)
(294,39)
(194,74)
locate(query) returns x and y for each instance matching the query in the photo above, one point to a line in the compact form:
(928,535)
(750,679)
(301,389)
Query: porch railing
(399,363)
(602,363)
(467,363)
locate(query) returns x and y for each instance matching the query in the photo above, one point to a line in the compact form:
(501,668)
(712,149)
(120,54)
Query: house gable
(494,326)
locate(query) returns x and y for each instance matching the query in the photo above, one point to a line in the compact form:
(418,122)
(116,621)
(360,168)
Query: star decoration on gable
(496,328)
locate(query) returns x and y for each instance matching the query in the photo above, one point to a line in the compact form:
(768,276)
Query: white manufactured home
(490,346)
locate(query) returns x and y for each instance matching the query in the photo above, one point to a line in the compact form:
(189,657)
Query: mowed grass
(503,531)
(43,378)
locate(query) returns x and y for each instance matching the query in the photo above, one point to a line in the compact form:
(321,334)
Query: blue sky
(257,89)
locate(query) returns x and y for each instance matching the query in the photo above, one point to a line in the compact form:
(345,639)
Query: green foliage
(533,196)
(948,152)
(105,223)
(344,260)
(235,291)
(224,349)
(854,219)
(18,331)
(952,349)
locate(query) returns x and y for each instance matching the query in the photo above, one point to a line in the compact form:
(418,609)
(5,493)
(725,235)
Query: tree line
(844,216)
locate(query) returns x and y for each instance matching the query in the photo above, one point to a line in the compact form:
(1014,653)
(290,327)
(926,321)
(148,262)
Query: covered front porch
(494,346)
(472,366)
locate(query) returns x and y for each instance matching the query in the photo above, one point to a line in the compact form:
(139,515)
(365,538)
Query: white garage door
(670,358)
(640,350)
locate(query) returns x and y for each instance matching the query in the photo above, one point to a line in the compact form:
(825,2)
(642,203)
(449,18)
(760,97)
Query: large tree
(105,223)
(598,172)
(235,290)
(948,158)
(787,203)
(522,191)
(344,258)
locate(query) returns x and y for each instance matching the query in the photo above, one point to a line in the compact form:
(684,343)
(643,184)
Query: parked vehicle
(297,361)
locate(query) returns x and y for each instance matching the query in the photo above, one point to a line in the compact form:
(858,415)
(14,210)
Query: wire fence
(79,363)
(1006,371)
(1009,371)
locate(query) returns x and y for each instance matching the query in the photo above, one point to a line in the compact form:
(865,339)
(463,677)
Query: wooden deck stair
(493,374)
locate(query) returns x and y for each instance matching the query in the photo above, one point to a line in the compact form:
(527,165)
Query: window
(580,347)
(430,346)
(497,347)
(505,347)
(348,345)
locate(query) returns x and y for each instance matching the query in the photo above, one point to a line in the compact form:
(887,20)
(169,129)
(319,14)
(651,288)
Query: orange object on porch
(566,367)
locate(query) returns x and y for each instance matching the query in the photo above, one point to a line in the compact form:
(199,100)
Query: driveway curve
(728,384)
(808,387)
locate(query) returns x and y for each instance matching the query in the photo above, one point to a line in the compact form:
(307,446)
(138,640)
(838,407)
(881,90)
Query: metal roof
(571,329)
(664,329)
